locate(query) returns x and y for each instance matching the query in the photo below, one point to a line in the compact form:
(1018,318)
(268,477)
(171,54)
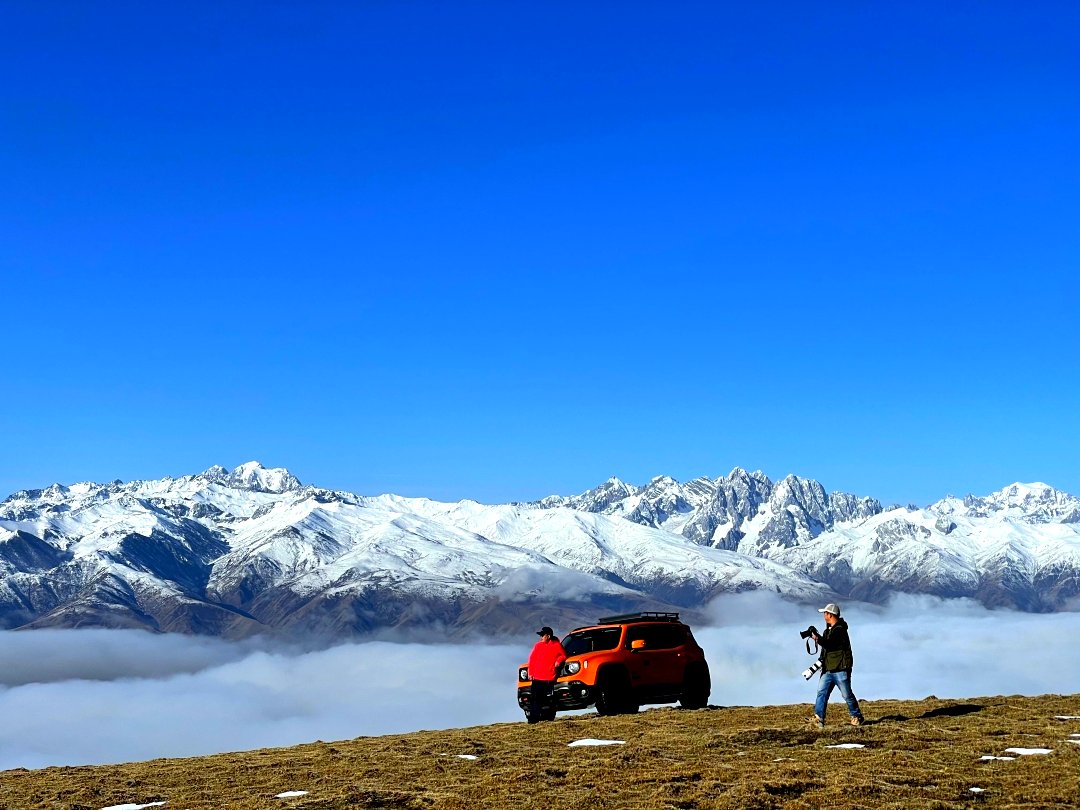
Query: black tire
(613,695)
(696,688)
(548,713)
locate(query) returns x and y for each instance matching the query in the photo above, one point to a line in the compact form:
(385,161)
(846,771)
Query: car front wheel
(613,694)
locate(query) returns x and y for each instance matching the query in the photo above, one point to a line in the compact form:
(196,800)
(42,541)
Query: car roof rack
(645,616)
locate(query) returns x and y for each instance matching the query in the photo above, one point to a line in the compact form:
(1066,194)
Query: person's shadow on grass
(956,710)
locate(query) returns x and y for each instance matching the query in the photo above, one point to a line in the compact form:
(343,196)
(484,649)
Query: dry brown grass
(921,753)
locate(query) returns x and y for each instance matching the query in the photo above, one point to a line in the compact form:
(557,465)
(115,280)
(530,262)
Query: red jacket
(544,658)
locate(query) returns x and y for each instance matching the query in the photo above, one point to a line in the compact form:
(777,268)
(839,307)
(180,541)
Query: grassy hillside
(922,753)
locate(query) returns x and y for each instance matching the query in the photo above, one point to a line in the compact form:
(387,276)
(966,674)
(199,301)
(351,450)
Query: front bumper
(566,695)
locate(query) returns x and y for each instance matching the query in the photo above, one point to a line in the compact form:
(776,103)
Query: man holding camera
(836,660)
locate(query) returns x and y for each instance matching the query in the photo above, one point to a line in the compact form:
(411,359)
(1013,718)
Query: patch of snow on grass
(1024,752)
(987,758)
(577,743)
(291,794)
(846,745)
(132,806)
(977,790)
(1067,717)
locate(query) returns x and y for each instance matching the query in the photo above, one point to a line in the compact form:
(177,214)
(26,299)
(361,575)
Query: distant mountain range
(254,551)
(1018,547)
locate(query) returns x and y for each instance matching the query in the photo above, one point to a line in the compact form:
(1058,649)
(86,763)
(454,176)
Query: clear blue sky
(501,250)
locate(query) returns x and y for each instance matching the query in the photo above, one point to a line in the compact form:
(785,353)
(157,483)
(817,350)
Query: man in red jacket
(544,661)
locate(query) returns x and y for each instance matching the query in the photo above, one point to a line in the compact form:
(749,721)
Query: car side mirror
(637,644)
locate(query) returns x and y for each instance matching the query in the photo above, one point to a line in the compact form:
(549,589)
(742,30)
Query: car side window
(657,636)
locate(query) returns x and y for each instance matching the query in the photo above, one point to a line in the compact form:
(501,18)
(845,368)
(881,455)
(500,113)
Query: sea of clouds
(72,697)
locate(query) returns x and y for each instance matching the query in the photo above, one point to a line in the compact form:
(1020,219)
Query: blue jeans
(841,680)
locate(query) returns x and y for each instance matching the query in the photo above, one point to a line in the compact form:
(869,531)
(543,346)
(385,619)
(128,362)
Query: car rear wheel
(696,688)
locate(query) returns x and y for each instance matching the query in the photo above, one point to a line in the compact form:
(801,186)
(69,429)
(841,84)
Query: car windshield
(586,641)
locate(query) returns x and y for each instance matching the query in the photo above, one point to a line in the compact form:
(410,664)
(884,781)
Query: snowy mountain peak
(215,473)
(615,484)
(741,475)
(1029,503)
(614,490)
(256,477)
(1019,494)
(663,486)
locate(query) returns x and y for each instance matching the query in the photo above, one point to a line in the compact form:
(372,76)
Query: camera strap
(813,651)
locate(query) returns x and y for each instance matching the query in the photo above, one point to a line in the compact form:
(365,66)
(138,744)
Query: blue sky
(503,250)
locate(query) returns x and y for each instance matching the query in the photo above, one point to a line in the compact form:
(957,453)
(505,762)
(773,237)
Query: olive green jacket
(836,648)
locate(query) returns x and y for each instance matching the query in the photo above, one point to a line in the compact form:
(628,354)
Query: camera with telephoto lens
(807,634)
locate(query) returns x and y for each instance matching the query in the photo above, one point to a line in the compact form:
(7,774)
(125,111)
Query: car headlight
(573,667)
(523,674)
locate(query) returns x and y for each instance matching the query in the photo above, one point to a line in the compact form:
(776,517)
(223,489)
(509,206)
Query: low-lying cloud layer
(916,647)
(96,696)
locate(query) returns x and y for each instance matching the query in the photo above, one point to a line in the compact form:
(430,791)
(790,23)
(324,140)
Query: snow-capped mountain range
(1018,547)
(742,512)
(253,550)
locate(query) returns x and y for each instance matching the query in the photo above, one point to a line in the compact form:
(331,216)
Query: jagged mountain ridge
(1018,547)
(742,511)
(1001,550)
(253,550)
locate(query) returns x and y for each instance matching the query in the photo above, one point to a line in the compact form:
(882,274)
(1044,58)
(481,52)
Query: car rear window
(586,641)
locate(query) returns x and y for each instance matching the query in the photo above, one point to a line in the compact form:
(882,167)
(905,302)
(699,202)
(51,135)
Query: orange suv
(622,662)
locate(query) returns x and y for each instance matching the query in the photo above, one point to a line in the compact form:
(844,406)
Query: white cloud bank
(97,696)
(916,647)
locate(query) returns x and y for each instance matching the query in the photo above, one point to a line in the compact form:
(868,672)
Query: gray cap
(832,608)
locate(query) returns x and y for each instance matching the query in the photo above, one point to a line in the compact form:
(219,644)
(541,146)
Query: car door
(655,665)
